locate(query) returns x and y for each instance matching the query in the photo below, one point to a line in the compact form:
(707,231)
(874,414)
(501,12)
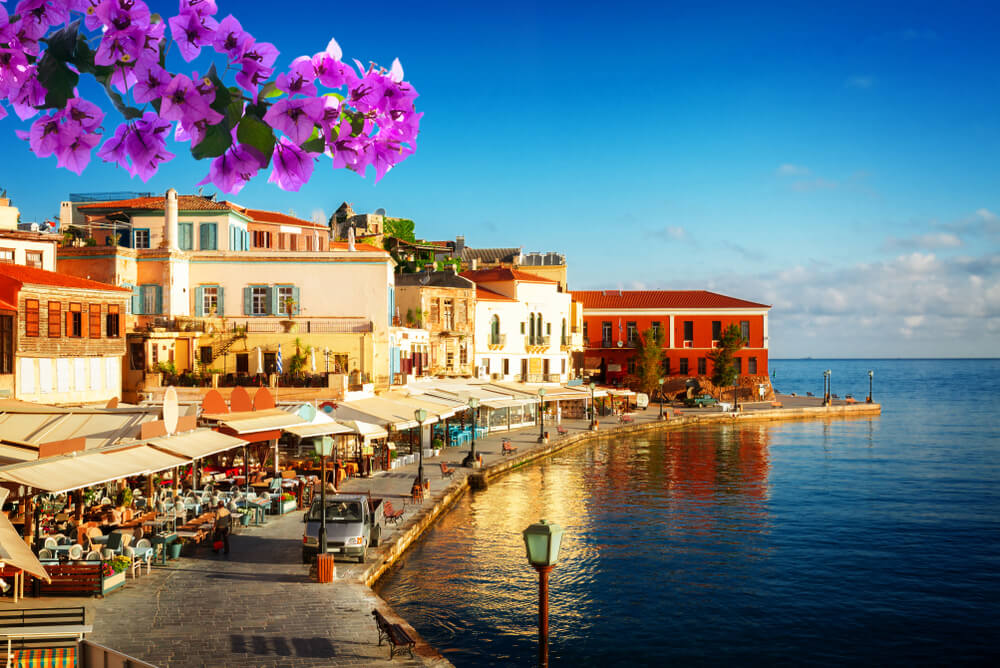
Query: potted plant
(113,573)
(288,305)
(288,503)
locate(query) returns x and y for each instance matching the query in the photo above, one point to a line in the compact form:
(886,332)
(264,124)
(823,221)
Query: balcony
(496,341)
(537,344)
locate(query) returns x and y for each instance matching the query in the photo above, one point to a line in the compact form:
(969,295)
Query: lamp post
(871,376)
(829,387)
(323,446)
(593,408)
(541,542)
(541,415)
(470,459)
(420,415)
(661,396)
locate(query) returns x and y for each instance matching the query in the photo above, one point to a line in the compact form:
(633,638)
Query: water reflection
(646,519)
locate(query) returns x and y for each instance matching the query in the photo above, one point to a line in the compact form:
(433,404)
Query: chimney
(459,245)
(475,263)
(170,219)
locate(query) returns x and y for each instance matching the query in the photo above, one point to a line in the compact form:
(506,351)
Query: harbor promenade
(259,606)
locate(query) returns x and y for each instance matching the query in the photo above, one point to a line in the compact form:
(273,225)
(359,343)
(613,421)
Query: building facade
(444,304)
(523,327)
(691,322)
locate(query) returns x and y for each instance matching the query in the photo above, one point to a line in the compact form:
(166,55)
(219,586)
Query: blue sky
(838,162)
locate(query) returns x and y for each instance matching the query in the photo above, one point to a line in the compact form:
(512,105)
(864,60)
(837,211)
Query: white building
(523,326)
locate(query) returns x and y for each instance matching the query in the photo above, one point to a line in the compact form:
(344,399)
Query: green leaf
(357,125)
(252,131)
(217,140)
(61,44)
(314,145)
(270,89)
(235,109)
(336,95)
(222,94)
(128,112)
(58,80)
(83,57)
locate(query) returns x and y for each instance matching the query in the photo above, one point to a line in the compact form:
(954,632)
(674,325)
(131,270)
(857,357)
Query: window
(548,329)
(258,301)
(586,338)
(745,331)
(6,256)
(631,365)
(242,360)
(463,355)
(655,329)
(112,321)
(495,330)
(460,312)
(261,239)
(701,366)
(448,315)
(738,363)
(666,366)
(6,344)
(151,303)
(506,366)
(309,243)
(74,321)
(208,236)
(716,330)
(185,236)
(752,365)
(33,259)
(281,241)
(55,320)
(136,356)
(450,359)
(31,317)
(286,293)
(141,237)
(689,330)
(209,300)
(606,333)
(683,364)
(631,332)
(94,316)
(293,242)
(522,327)
(435,311)
(205,354)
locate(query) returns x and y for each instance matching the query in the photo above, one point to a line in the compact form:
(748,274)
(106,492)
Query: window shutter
(159,298)
(203,236)
(221,311)
(69,322)
(247,303)
(136,300)
(272,298)
(199,301)
(295,296)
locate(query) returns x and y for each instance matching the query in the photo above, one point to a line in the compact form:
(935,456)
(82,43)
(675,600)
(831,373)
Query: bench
(391,514)
(446,471)
(850,400)
(506,448)
(48,635)
(562,430)
(395,634)
(626,418)
(776,404)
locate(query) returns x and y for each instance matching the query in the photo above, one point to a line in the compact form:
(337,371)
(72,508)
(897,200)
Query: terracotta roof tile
(32,276)
(262,216)
(628,299)
(504,274)
(484,295)
(184,203)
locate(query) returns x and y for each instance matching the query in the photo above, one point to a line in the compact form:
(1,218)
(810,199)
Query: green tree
(400,228)
(649,360)
(724,369)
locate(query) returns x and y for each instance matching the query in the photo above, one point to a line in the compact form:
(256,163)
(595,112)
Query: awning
(366,430)
(512,403)
(251,421)
(15,552)
(197,444)
(441,408)
(75,470)
(380,411)
(319,429)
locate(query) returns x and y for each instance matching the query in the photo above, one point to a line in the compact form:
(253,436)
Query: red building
(691,321)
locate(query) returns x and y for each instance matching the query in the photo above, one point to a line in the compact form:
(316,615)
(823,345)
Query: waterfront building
(444,304)
(409,354)
(217,288)
(692,321)
(62,338)
(523,327)
(25,247)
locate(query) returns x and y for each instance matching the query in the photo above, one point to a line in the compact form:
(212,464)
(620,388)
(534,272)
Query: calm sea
(872,540)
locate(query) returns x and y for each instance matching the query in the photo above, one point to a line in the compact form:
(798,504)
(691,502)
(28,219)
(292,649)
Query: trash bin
(325,568)
(174,550)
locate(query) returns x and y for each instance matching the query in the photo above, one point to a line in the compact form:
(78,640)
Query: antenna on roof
(201,191)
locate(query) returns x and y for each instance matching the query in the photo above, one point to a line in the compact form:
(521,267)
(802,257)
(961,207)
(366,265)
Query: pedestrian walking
(223,525)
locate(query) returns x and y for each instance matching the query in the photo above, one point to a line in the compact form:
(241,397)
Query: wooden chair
(562,430)
(446,471)
(391,514)
(506,448)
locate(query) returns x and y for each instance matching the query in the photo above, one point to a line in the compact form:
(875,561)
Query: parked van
(353,522)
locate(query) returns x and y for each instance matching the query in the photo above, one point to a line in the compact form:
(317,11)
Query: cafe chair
(135,565)
(51,542)
(106,501)
(45,553)
(75,552)
(93,555)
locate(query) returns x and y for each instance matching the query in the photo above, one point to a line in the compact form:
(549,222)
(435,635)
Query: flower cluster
(357,116)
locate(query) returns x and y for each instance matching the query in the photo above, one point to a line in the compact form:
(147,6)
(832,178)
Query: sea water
(872,540)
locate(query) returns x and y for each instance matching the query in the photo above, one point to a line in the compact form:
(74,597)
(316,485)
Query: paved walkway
(258,607)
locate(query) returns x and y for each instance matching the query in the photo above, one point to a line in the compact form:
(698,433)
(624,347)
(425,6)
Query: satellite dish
(170,411)
(380,212)
(620,343)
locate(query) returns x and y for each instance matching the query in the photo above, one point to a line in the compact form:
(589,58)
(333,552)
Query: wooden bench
(391,514)
(446,471)
(626,419)
(562,430)
(506,448)
(776,404)
(399,640)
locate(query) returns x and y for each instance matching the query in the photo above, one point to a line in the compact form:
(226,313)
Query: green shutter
(137,300)
(247,300)
(159,298)
(199,301)
(203,236)
(272,297)
(208,234)
(295,296)
(221,311)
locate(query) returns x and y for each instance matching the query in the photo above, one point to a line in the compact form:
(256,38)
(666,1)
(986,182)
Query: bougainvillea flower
(123,14)
(73,151)
(296,118)
(333,73)
(120,46)
(231,39)
(29,96)
(113,150)
(234,168)
(292,166)
(184,101)
(37,16)
(152,81)
(43,136)
(191,32)
(147,139)
(82,115)
(299,78)
(199,7)
(123,77)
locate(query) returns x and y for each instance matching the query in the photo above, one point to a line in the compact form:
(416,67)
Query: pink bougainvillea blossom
(292,166)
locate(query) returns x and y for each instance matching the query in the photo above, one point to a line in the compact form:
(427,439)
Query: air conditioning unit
(689,344)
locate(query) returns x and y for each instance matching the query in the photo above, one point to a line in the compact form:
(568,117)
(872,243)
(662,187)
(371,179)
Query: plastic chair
(45,553)
(75,552)
(51,542)
(105,501)
(107,554)
(93,555)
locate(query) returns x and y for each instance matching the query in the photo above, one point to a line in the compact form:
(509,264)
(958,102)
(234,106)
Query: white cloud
(924,242)
(674,232)
(860,81)
(789,169)
(987,215)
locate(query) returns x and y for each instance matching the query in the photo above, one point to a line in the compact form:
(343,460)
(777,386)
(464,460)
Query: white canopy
(197,444)
(366,430)
(15,552)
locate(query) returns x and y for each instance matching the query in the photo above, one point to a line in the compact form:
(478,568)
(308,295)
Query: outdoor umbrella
(277,361)
(314,360)
(260,361)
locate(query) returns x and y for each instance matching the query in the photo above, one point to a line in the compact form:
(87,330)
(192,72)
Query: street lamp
(541,415)
(871,376)
(541,542)
(829,387)
(661,397)
(593,408)
(420,415)
(323,446)
(470,459)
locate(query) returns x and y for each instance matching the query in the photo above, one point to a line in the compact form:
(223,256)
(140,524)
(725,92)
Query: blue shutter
(247,301)
(199,301)
(203,238)
(137,300)
(221,310)
(159,298)
(295,296)
(272,298)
